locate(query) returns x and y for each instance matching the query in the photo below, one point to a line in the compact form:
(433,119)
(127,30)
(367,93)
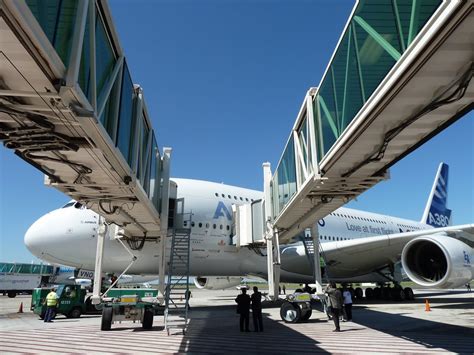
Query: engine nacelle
(438,261)
(216,282)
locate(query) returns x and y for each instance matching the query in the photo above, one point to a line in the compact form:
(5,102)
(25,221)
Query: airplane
(356,246)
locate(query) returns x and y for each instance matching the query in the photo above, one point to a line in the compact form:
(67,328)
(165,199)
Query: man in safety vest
(51,303)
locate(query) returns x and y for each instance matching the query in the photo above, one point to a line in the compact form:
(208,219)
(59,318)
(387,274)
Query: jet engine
(216,282)
(438,261)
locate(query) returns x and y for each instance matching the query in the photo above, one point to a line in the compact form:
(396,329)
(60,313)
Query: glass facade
(376,37)
(126,113)
(57,19)
(15,268)
(284,180)
(127,129)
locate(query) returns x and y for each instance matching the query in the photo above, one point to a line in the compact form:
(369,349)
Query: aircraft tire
(107,314)
(377,293)
(358,293)
(369,293)
(147,319)
(11,294)
(290,313)
(409,295)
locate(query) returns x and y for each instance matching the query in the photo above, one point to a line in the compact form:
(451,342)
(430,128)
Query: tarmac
(378,327)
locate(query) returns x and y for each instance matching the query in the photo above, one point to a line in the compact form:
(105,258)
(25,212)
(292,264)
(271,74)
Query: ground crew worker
(51,304)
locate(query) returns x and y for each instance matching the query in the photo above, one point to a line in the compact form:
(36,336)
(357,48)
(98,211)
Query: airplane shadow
(429,333)
(216,330)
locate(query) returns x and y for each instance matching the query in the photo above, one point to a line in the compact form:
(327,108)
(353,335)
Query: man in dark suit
(257,310)
(243,308)
(335,300)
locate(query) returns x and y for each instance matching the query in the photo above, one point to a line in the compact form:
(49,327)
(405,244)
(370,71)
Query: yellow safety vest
(51,299)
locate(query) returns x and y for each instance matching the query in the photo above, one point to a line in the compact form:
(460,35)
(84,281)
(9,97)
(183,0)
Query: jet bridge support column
(165,193)
(317,258)
(273,247)
(96,297)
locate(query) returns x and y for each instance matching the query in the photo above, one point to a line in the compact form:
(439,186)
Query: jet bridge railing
(400,74)
(68,106)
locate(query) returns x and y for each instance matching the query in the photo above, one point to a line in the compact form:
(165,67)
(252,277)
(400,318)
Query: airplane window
(251,199)
(192,224)
(223,195)
(221,226)
(200,225)
(214,226)
(235,197)
(246,199)
(228,227)
(217,195)
(229,196)
(185,223)
(241,199)
(69,204)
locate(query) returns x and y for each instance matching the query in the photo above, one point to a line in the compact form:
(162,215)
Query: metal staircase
(309,250)
(177,287)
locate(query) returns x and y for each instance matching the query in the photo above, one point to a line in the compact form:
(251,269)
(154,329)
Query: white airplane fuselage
(68,236)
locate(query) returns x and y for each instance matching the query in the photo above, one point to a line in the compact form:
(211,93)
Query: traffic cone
(20,310)
(427,306)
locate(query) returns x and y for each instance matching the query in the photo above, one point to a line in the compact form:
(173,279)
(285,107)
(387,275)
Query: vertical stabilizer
(436,213)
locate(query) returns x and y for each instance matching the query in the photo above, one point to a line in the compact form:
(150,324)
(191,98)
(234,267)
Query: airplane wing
(365,255)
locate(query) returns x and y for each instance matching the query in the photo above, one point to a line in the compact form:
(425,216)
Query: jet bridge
(400,74)
(69,107)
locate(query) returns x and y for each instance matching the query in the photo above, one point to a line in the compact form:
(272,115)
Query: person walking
(335,300)
(347,296)
(51,303)
(243,308)
(257,310)
(284,289)
(468,287)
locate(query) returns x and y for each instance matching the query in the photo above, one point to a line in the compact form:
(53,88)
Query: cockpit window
(69,204)
(78,205)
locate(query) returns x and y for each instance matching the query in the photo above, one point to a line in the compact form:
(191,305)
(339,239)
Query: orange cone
(427,306)
(20,310)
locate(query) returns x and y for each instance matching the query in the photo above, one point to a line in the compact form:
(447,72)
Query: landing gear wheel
(290,313)
(409,295)
(148,319)
(107,314)
(358,293)
(397,294)
(377,293)
(11,294)
(369,293)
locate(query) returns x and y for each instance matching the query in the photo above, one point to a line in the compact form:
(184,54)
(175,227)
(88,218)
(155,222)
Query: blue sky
(223,82)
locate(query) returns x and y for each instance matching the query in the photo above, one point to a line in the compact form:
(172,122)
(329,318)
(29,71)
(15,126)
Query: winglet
(436,213)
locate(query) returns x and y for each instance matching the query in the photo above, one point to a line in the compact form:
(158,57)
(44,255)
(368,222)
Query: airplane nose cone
(33,239)
(62,236)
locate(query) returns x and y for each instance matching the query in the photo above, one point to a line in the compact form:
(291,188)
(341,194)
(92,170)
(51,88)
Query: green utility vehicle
(71,301)
(130,304)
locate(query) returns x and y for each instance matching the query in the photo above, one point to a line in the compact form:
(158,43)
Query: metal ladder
(176,296)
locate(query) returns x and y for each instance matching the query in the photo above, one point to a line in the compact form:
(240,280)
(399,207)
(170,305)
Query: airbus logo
(467,259)
(222,211)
